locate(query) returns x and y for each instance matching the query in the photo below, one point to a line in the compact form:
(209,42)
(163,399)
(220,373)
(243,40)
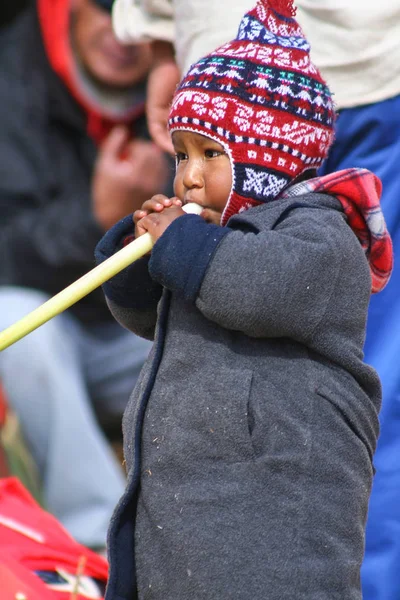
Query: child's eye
(212,153)
(179,156)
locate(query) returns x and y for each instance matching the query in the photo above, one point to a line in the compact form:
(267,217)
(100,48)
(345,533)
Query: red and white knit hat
(260,97)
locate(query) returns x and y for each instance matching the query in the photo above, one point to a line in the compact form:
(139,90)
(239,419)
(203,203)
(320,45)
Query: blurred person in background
(9,9)
(181,32)
(74,160)
(356,45)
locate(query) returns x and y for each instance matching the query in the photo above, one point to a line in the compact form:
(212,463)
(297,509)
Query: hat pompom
(282,7)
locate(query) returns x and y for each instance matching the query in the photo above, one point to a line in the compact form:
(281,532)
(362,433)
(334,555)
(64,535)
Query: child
(250,435)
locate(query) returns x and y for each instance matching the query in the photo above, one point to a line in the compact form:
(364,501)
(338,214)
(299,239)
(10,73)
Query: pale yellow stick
(82,287)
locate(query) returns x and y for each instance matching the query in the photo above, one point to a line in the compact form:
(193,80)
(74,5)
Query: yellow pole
(82,287)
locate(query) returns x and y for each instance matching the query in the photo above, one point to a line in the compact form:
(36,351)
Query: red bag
(38,557)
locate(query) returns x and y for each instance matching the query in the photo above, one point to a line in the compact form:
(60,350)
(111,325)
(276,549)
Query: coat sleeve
(132,295)
(273,283)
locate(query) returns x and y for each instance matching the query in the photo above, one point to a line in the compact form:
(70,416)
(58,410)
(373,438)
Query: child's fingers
(139,214)
(155,204)
(158,202)
(140,226)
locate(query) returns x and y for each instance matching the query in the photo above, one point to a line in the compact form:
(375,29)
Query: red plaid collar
(359,192)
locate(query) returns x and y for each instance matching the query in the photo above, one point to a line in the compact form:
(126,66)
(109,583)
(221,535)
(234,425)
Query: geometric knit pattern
(358,191)
(260,97)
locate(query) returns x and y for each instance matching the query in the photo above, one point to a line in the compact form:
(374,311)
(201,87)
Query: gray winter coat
(250,435)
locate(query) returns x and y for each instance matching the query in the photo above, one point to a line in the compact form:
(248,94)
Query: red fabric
(54,22)
(4,470)
(14,579)
(284,7)
(359,192)
(33,540)
(3,406)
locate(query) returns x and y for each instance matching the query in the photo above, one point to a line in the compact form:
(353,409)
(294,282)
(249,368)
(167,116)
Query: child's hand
(156,204)
(156,214)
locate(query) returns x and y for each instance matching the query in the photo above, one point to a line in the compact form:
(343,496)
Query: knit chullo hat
(260,97)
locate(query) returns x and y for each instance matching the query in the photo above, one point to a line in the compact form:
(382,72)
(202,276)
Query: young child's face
(203,173)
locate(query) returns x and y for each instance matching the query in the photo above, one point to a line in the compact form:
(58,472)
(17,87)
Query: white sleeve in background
(203,25)
(356,45)
(143,20)
(196,27)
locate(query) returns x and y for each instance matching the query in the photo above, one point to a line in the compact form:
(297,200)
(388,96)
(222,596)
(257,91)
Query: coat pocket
(204,420)
(280,419)
(353,412)
(225,413)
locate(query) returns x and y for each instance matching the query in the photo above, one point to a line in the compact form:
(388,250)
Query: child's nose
(193,176)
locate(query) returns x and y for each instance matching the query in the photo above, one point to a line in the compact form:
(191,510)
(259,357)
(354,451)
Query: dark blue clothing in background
(369,137)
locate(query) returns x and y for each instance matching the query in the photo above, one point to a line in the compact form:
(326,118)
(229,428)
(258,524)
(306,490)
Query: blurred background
(67,131)
(9,9)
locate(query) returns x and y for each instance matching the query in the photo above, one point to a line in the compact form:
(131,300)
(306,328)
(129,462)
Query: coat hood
(358,191)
